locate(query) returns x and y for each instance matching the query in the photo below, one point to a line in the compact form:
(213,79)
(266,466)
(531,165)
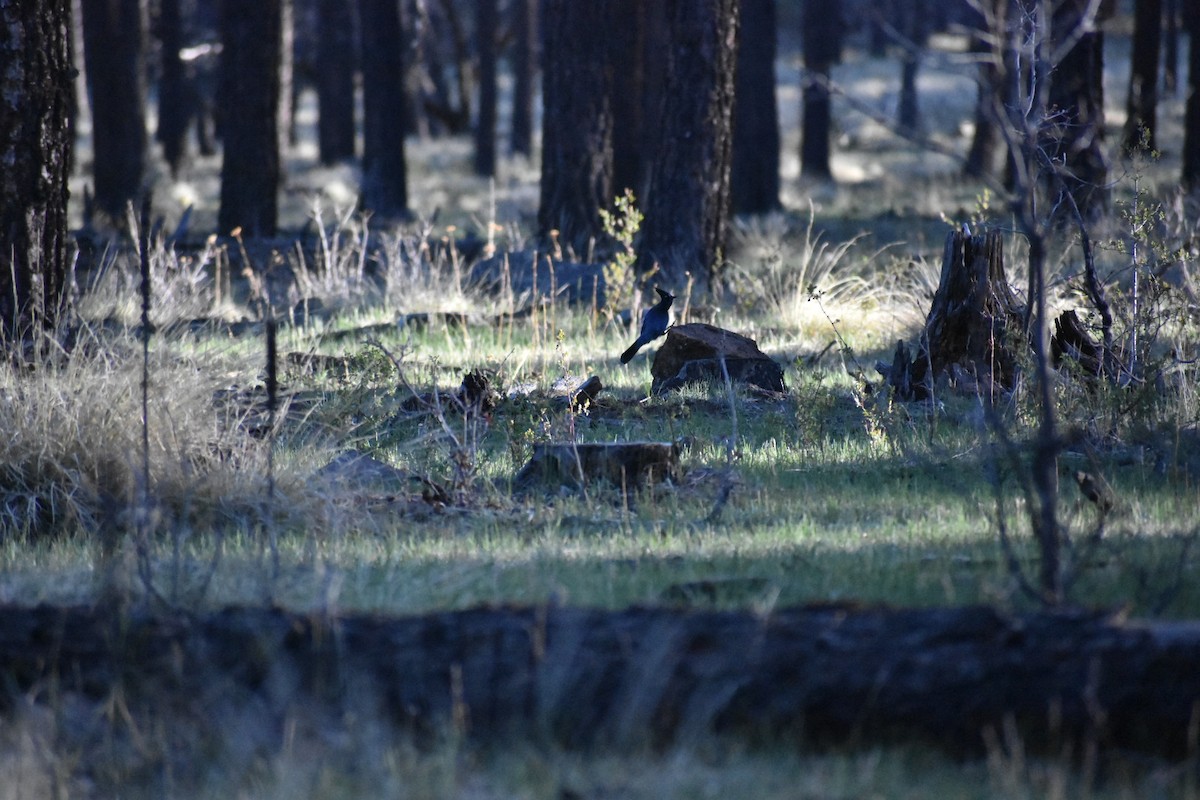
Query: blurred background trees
(675,101)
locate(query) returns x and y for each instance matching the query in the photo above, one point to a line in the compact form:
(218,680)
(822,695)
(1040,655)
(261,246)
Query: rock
(694,353)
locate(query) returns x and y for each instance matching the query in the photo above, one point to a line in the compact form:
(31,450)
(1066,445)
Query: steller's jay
(654,324)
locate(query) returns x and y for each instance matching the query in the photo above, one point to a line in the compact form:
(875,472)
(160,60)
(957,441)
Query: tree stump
(974,322)
(1072,340)
(628,465)
(693,353)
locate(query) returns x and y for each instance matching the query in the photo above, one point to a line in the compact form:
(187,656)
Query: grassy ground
(836,494)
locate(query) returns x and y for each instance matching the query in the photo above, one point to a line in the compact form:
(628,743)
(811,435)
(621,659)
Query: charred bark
(1191,116)
(385,172)
(35,149)
(819,675)
(754,174)
(982,156)
(176,105)
(577,123)
(1141,107)
(1076,102)
(36,94)
(822,34)
(687,204)
(251,36)
(114,46)
(487,20)
(973,326)
(628,52)
(335,80)
(524,67)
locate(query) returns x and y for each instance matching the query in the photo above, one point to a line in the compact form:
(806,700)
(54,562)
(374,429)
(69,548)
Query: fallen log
(820,675)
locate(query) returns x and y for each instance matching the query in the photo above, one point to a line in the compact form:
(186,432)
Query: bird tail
(628,355)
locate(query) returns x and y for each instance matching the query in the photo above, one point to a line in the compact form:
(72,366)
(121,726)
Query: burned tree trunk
(1141,106)
(822,37)
(524,67)
(754,172)
(973,324)
(335,81)
(113,45)
(486,21)
(35,149)
(251,36)
(577,124)
(824,675)
(384,167)
(687,203)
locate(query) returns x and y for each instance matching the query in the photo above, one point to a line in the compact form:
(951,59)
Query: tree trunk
(287,75)
(1170,82)
(175,105)
(982,156)
(524,66)
(1191,116)
(972,327)
(113,43)
(687,204)
(486,23)
(914,30)
(628,101)
(1077,95)
(251,36)
(822,32)
(577,122)
(446,51)
(1141,106)
(335,80)
(959,678)
(35,146)
(385,175)
(754,174)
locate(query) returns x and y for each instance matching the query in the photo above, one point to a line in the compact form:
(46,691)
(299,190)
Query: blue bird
(655,322)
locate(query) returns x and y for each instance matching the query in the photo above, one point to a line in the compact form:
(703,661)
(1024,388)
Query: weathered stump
(628,465)
(693,353)
(975,322)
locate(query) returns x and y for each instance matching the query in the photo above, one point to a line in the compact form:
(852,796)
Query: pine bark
(688,201)
(755,169)
(175,104)
(487,20)
(577,122)
(385,173)
(524,66)
(251,36)
(1076,96)
(335,80)
(36,139)
(1141,107)
(628,52)
(1191,115)
(822,33)
(114,47)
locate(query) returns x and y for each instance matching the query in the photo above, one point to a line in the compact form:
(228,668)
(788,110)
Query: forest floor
(834,493)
